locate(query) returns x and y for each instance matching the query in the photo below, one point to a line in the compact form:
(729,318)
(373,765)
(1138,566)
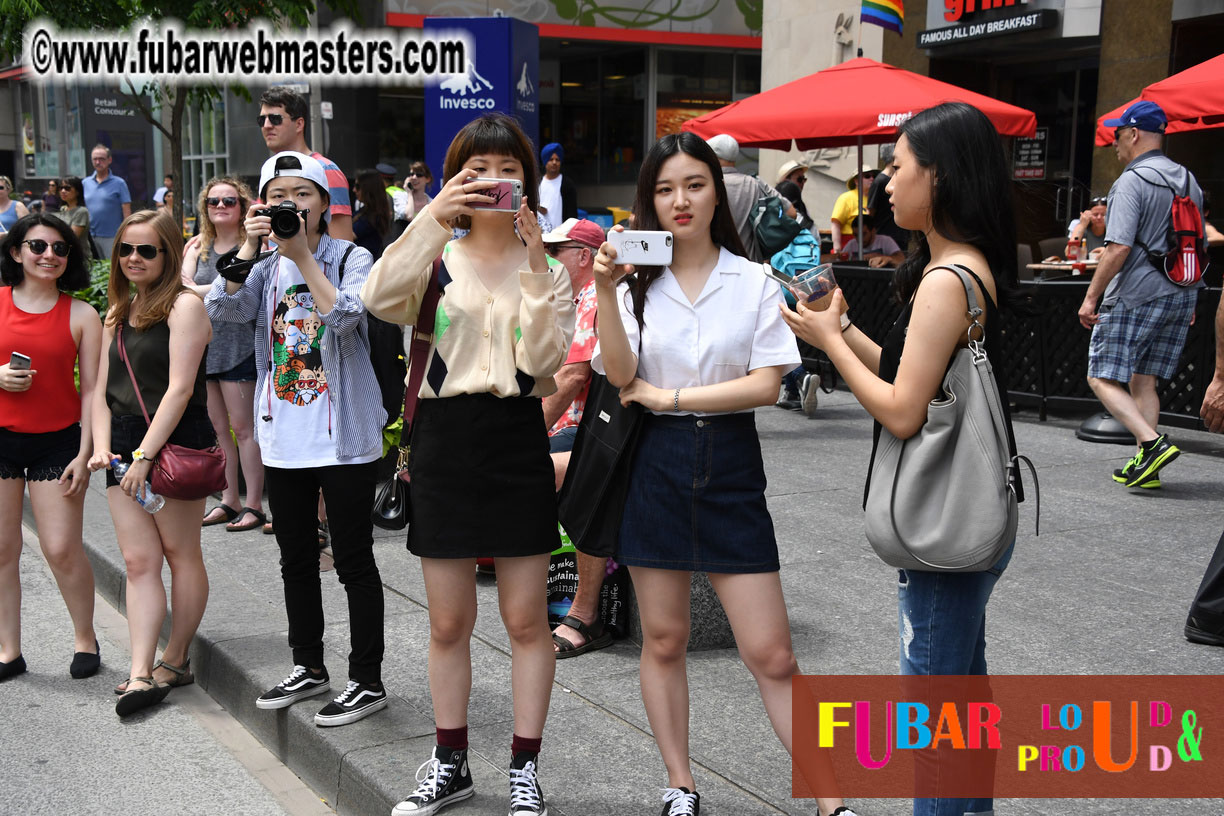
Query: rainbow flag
(884,13)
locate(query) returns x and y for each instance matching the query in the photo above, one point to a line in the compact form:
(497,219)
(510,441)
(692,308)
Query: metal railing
(1045,357)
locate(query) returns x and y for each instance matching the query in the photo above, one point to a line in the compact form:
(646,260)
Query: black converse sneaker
(299,685)
(681,802)
(443,780)
(526,798)
(356,701)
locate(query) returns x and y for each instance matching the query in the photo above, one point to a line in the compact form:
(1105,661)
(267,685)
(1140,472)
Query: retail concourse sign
(981,29)
(502,75)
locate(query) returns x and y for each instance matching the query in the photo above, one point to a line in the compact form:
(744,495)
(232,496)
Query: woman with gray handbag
(950,185)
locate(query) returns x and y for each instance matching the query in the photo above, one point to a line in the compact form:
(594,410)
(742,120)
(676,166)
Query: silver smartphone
(642,247)
(507,195)
(19,362)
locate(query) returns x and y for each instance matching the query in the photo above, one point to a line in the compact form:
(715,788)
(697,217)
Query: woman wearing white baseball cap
(319,420)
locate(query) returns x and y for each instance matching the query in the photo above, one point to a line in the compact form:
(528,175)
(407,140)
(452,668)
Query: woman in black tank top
(165,333)
(950,185)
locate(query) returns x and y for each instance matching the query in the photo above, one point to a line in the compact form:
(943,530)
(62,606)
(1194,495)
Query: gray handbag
(945,500)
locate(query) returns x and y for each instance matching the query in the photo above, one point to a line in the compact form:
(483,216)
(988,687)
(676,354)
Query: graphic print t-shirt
(296,394)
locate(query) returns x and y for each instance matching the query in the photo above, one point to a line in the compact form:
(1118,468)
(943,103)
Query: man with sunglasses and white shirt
(319,419)
(283,117)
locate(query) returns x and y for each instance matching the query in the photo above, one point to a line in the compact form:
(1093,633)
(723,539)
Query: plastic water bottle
(151,501)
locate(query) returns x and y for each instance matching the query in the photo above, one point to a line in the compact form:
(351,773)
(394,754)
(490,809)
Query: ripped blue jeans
(942,617)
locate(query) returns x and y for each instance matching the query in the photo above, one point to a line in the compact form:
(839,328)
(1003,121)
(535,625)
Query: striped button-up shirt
(356,397)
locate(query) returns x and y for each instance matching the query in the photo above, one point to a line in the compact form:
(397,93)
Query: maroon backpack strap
(135,385)
(422,338)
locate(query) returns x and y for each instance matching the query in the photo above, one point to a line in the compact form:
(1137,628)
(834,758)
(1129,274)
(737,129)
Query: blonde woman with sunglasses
(10,208)
(230,366)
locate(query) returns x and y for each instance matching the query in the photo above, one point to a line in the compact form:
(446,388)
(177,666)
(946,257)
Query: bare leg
(220,422)
(11,491)
(59,531)
(521,586)
(1143,390)
(142,557)
(757,611)
(188,578)
(1119,402)
(450,589)
(586,599)
(663,602)
(239,404)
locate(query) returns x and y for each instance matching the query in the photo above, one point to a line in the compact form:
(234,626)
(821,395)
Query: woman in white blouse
(713,347)
(482,479)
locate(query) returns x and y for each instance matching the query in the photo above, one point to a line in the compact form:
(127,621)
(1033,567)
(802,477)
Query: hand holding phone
(507,195)
(17,376)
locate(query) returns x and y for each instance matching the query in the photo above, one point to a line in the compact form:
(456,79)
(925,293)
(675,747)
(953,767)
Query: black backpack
(386,356)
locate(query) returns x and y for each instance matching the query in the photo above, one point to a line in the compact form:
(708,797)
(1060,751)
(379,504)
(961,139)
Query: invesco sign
(502,74)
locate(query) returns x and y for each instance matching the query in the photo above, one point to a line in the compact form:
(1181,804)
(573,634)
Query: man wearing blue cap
(558,198)
(1141,326)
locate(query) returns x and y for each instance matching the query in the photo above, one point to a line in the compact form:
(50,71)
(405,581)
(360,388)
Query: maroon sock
(455,739)
(522,744)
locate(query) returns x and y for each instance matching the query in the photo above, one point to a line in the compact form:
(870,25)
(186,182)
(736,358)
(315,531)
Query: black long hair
(971,197)
(376,204)
(722,226)
(76,271)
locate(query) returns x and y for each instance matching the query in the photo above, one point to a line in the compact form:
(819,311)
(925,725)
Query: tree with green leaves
(152,98)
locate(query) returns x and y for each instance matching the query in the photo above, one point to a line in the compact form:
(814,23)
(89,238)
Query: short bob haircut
(76,271)
(494,134)
(722,226)
(971,194)
(165,290)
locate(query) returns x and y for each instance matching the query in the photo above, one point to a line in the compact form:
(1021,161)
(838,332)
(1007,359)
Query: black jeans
(348,491)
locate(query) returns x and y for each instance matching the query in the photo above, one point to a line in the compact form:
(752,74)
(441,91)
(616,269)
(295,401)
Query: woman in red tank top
(44,334)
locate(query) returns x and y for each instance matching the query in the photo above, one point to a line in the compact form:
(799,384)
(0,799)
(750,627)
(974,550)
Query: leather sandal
(228,515)
(259,520)
(182,674)
(134,700)
(596,638)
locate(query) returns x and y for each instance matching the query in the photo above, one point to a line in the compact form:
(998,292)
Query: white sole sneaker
(436,805)
(290,699)
(351,716)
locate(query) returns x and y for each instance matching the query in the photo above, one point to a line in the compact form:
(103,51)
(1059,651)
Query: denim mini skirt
(696,497)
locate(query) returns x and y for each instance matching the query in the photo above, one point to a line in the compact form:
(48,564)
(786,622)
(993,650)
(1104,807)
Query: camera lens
(285,223)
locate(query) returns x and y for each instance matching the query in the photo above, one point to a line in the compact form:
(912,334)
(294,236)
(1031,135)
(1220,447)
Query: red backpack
(1186,259)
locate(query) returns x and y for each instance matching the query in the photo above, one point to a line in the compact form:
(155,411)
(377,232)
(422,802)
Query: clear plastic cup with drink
(812,285)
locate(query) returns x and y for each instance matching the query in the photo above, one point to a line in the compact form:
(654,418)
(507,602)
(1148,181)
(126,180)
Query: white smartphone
(642,247)
(19,362)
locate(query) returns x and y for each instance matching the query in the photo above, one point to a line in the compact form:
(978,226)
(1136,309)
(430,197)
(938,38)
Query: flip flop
(229,514)
(594,639)
(260,520)
(267,529)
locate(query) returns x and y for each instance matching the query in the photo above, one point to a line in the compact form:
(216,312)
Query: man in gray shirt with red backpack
(1140,329)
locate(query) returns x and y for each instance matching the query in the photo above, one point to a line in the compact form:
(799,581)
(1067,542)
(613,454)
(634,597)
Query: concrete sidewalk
(1103,590)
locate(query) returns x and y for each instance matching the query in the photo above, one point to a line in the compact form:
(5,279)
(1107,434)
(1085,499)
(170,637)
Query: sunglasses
(39,246)
(277,119)
(146,251)
(227,201)
(554,249)
(1099,200)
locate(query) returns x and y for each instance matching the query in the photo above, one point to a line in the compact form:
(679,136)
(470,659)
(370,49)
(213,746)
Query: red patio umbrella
(858,102)
(1192,99)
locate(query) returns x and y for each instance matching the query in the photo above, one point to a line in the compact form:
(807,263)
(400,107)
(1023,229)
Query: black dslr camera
(285,223)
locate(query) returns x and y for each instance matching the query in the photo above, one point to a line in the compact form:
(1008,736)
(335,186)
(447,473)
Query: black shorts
(38,457)
(194,430)
(243,372)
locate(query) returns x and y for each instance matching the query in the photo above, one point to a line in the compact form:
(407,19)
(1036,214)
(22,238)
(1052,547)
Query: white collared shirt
(733,328)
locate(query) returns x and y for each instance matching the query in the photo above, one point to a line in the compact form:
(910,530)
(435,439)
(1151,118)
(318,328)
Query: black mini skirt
(482,479)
